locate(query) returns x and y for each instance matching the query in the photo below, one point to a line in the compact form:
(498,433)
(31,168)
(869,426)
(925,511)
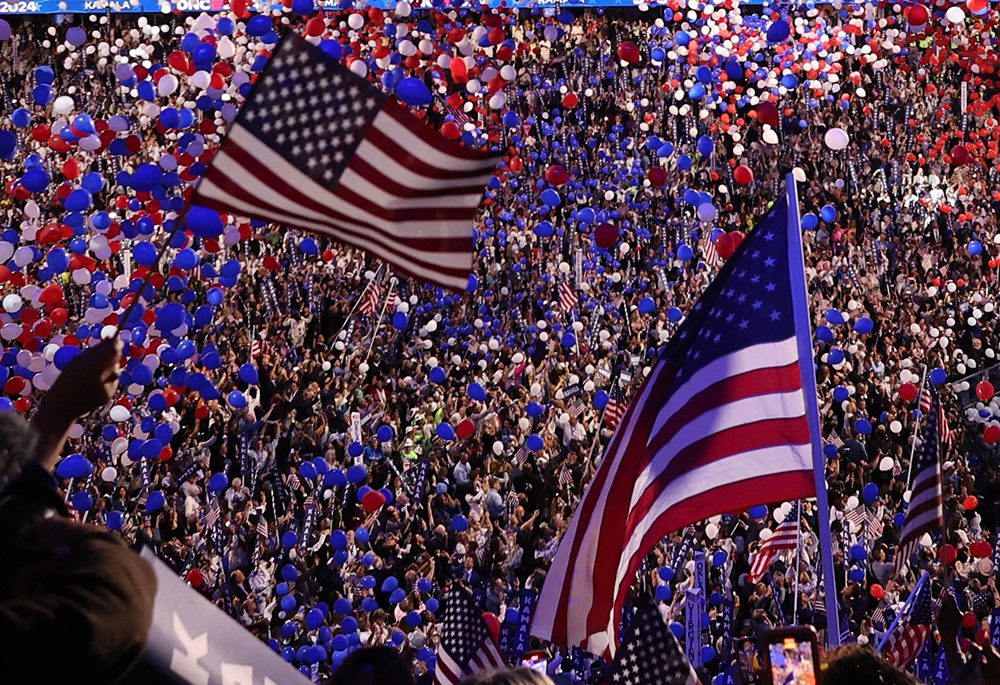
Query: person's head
(373,666)
(515,676)
(857,665)
(17,443)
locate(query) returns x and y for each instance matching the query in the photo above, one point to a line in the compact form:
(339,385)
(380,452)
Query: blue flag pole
(800,304)
(902,612)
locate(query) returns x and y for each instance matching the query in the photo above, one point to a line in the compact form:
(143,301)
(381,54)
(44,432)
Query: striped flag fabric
(785,537)
(212,515)
(719,424)
(925,514)
(712,257)
(912,632)
(320,149)
(565,476)
(615,408)
(467,645)
(262,529)
(925,405)
(370,302)
(867,520)
(568,299)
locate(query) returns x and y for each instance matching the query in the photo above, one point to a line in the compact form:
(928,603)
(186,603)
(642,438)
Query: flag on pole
(725,420)
(615,409)
(711,254)
(912,631)
(785,537)
(369,305)
(318,148)
(925,404)
(650,654)
(925,513)
(568,298)
(467,645)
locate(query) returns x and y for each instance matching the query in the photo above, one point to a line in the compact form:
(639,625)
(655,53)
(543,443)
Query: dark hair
(373,666)
(17,443)
(857,665)
(515,676)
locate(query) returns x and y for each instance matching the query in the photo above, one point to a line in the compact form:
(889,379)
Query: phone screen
(792,662)
(540,665)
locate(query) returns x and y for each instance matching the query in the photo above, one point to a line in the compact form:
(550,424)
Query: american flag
(925,511)
(712,257)
(867,520)
(212,515)
(576,409)
(785,537)
(292,482)
(650,654)
(262,529)
(370,301)
(259,347)
(467,646)
(720,423)
(944,431)
(565,476)
(321,149)
(835,440)
(615,408)
(521,455)
(912,632)
(567,297)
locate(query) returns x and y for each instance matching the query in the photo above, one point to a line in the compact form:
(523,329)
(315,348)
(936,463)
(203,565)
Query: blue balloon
(218,482)
(438,374)
(864,325)
(400,321)
(938,376)
(858,553)
(975,247)
(259,25)
(647,305)
(202,221)
(445,431)
(8,144)
(237,399)
(460,523)
(477,392)
(863,426)
(74,466)
(115,520)
(870,492)
(551,197)
(674,314)
(778,31)
(385,433)
(248,374)
(338,540)
(83,501)
(35,180)
(810,221)
(828,213)
(155,501)
(534,442)
(414,92)
(601,398)
(758,512)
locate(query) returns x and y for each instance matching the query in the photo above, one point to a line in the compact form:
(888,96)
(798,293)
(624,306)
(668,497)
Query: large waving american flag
(925,513)
(785,537)
(467,645)
(318,148)
(720,424)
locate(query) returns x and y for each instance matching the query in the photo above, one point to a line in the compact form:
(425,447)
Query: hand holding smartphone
(791,656)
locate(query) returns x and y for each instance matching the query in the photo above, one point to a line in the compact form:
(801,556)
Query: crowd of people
(323,448)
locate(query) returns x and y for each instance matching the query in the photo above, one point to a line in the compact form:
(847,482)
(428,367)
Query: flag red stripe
(750,384)
(740,495)
(399,189)
(616,508)
(442,213)
(405,158)
(387,244)
(431,136)
(736,440)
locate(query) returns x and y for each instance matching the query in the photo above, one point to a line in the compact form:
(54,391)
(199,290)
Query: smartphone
(536,660)
(791,656)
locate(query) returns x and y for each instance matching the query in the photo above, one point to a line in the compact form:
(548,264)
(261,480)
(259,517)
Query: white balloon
(359,68)
(109,474)
(356,21)
(852,502)
(166,85)
(707,212)
(12,303)
(119,413)
(63,105)
(711,531)
(770,137)
(895,427)
(836,139)
(886,464)
(955,14)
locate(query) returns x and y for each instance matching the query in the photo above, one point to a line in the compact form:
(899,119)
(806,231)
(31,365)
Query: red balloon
(724,245)
(743,175)
(984,390)
(948,554)
(570,101)
(877,591)
(968,620)
(629,52)
(493,623)
(767,113)
(605,235)
(908,391)
(556,175)
(465,428)
(992,434)
(451,130)
(657,176)
(917,16)
(373,500)
(981,549)
(970,503)
(960,155)
(194,577)
(22,404)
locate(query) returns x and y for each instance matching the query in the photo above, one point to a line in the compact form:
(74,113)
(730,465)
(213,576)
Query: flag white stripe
(211,191)
(579,575)
(282,168)
(351,180)
(386,165)
(738,413)
(416,146)
(734,469)
(764,356)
